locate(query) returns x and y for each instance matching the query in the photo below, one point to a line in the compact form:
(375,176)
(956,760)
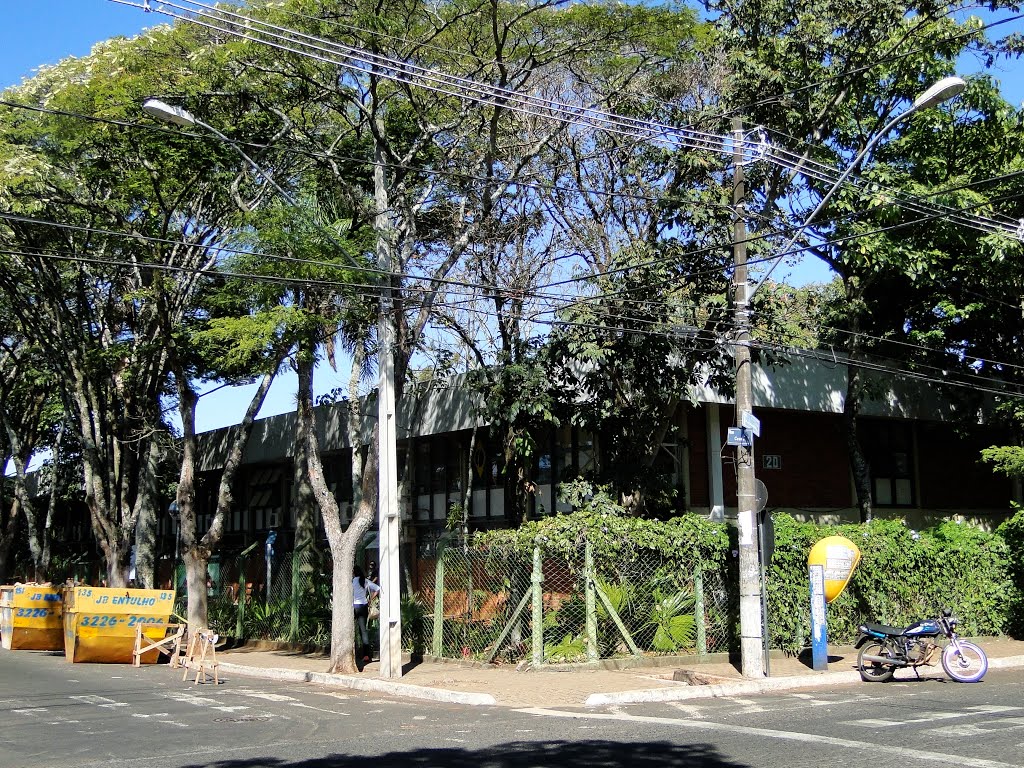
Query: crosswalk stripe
(983,709)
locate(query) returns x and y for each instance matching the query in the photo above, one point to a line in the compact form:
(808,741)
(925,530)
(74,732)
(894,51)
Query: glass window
(888,447)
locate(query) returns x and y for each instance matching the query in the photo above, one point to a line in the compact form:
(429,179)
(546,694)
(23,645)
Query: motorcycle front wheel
(875,671)
(966,665)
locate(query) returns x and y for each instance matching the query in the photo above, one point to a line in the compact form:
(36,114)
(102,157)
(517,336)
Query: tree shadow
(564,754)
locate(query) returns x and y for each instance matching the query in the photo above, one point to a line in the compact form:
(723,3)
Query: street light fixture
(753,652)
(170,113)
(944,90)
(388,519)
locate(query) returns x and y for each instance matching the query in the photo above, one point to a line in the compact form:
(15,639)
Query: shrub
(903,576)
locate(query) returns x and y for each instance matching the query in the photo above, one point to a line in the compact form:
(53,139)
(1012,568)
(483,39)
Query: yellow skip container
(100,622)
(30,617)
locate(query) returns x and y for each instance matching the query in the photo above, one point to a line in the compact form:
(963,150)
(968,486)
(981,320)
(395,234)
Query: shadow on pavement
(581,754)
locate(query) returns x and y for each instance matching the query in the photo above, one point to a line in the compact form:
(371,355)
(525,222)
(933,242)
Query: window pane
(883,490)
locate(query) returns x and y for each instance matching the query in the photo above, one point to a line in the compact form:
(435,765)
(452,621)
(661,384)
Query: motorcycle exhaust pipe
(885,660)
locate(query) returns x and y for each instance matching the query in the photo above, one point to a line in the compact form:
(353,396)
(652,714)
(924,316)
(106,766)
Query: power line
(463,88)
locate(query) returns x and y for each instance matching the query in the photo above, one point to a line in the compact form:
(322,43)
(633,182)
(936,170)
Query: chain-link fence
(296,607)
(494,604)
(549,608)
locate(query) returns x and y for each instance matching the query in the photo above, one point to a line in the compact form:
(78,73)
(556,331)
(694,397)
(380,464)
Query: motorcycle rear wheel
(968,665)
(874,671)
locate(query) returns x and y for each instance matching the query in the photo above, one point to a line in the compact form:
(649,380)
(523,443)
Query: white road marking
(318,709)
(332,694)
(265,696)
(190,698)
(966,712)
(99,701)
(173,722)
(691,711)
(860,746)
(851,700)
(984,729)
(154,714)
(33,711)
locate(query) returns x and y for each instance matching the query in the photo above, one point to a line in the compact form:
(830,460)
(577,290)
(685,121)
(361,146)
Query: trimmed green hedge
(903,576)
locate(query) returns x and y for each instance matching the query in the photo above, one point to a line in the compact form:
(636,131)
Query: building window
(888,447)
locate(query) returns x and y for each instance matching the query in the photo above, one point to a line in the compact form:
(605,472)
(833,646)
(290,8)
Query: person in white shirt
(363,591)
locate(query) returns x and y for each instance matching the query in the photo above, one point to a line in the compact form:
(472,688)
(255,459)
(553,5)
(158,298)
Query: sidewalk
(504,685)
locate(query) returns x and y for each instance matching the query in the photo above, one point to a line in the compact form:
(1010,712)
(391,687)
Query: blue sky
(37,32)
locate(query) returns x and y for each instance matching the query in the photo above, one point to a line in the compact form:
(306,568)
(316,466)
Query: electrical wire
(462,88)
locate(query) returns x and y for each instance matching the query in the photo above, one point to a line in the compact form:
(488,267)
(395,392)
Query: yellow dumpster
(100,622)
(30,617)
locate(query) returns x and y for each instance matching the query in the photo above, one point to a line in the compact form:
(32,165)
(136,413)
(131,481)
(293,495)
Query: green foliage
(1012,532)
(414,628)
(671,616)
(1007,459)
(569,648)
(601,521)
(903,576)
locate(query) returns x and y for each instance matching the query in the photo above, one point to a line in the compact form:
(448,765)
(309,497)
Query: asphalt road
(60,715)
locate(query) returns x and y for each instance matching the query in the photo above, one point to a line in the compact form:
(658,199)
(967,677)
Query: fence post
(698,611)
(437,646)
(293,633)
(537,630)
(243,560)
(591,603)
(240,617)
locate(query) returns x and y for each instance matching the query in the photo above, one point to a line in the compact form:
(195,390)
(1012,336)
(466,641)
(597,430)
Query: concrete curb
(362,684)
(739,688)
(749,687)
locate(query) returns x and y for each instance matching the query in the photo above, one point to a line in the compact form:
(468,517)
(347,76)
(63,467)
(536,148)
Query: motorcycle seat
(885,629)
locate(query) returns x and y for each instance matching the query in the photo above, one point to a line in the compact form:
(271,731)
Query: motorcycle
(884,649)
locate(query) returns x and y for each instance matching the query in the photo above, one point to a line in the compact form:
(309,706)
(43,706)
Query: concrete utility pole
(388,519)
(751,650)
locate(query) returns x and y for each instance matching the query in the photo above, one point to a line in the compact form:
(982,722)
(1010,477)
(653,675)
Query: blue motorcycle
(884,649)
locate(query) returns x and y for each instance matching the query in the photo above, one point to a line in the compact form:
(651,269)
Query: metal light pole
(942,91)
(388,520)
(752,653)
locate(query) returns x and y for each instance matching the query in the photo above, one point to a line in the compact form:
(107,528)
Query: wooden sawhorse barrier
(170,645)
(202,656)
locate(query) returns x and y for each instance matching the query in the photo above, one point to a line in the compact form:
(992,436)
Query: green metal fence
(549,608)
(496,605)
(295,607)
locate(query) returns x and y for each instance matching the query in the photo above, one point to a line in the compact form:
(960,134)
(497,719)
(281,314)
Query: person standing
(363,591)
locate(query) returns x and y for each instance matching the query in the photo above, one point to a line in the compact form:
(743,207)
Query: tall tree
(822,79)
(109,229)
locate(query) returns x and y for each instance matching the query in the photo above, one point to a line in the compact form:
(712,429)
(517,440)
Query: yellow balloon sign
(838,557)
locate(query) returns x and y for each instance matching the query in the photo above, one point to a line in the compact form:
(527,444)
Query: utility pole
(388,518)
(751,650)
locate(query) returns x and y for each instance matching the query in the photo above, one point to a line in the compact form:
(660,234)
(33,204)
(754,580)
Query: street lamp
(752,617)
(388,519)
(944,90)
(170,113)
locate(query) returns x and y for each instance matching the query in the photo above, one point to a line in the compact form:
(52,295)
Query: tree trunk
(197,560)
(145,528)
(24,499)
(7,536)
(343,543)
(117,553)
(858,462)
